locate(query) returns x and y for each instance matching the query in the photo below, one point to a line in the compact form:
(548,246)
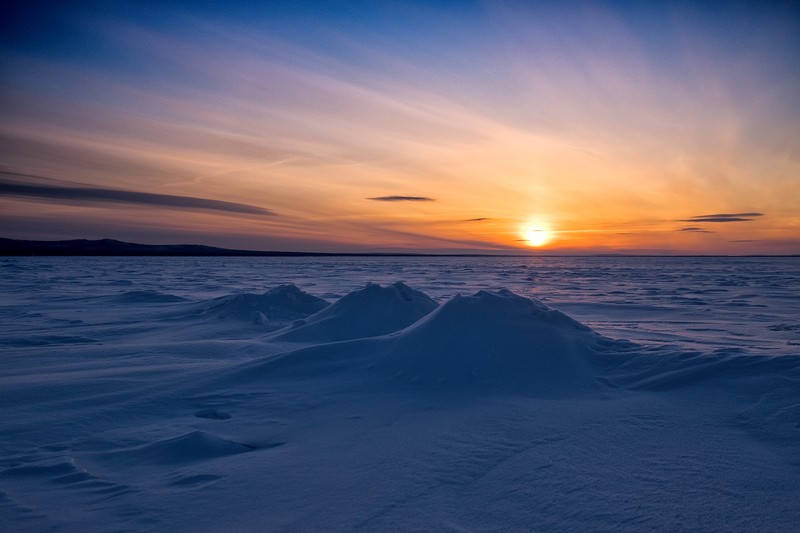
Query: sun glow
(536,236)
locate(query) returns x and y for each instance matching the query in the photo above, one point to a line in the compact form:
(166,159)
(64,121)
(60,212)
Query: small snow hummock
(193,446)
(367,312)
(281,303)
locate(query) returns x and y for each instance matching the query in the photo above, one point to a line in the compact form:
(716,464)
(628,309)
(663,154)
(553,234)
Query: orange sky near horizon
(461,138)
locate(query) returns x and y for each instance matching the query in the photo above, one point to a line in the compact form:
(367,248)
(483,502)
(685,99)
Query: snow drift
(496,339)
(367,312)
(190,447)
(282,303)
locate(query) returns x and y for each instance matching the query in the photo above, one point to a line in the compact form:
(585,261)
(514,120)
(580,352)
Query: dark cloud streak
(728,215)
(402,199)
(99,195)
(724,217)
(718,219)
(695,229)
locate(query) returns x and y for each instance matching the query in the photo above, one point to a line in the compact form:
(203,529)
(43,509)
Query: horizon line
(71,248)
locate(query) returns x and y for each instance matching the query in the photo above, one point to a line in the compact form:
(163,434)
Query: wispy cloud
(695,229)
(724,217)
(479,219)
(402,199)
(104,195)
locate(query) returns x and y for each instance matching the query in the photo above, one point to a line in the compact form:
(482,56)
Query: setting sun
(537,235)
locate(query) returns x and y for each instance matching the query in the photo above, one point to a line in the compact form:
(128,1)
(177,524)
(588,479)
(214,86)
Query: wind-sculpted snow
(493,339)
(145,297)
(282,303)
(191,447)
(135,398)
(496,337)
(367,312)
(662,369)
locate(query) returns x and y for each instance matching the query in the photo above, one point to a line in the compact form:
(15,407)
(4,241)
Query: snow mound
(497,337)
(282,303)
(194,446)
(367,312)
(145,297)
(490,339)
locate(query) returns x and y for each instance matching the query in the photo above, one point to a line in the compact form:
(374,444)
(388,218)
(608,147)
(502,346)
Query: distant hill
(111,247)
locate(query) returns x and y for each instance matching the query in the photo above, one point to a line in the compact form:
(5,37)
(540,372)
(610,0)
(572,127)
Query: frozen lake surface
(252,394)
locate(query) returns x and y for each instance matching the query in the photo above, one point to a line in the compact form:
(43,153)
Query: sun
(536,236)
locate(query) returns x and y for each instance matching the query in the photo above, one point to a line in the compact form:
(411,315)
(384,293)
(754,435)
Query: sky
(414,126)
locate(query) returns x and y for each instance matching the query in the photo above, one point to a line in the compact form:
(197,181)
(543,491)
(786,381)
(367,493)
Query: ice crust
(384,411)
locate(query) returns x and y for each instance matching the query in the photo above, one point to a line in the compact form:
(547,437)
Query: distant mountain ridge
(112,247)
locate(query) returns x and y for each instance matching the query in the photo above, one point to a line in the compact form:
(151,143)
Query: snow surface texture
(152,395)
